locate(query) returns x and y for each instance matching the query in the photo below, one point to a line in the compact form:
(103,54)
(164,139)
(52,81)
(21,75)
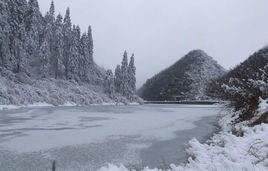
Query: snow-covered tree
(67,42)
(83,64)
(33,26)
(57,66)
(48,35)
(50,19)
(132,77)
(4,35)
(75,55)
(33,17)
(17,34)
(118,79)
(125,76)
(109,83)
(80,61)
(44,59)
(20,53)
(90,45)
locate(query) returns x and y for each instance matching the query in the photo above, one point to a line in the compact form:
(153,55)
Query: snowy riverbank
(22,91)
(68,104)
(8,107)
(224,151)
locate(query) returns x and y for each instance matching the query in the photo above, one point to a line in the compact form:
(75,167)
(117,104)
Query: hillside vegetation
(184,80)
(246,88)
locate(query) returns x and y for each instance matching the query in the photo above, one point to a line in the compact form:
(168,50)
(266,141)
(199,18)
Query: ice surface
(46,128)
(93,135)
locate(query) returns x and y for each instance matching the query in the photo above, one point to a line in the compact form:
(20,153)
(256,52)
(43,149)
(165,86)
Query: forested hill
(184,80)
(245,86)
(37,50)
(251,68)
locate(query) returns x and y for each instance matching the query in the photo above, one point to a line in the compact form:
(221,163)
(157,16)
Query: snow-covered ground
(34,92)
(224,151)
(91,137)
(8,107)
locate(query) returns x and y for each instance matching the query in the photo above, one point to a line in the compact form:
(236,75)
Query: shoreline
(68,104)
(201,133)
(223,151)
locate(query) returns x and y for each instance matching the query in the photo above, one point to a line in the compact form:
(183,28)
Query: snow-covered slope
(185,80)
(22,90)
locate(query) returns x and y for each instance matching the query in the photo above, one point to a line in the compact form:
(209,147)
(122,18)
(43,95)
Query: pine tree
(50,20)
(84,64)
(44,59)
(33,18)
(132,77)
(20,52)
(57,49)
(74,56)
(67,42)
(90,46)
(124,63)
(33,26)
(118,79)
(124,73)
(80,58)
(125,77)
(49,36)
(109,84)
(4,35)
(52,9)
(17,36)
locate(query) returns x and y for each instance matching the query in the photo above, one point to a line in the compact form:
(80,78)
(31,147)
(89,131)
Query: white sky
(160,32)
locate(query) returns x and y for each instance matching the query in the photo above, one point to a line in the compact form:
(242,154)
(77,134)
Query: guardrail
(182,102)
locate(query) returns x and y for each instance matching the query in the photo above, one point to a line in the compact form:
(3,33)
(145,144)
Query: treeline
(46,46)
(246,87)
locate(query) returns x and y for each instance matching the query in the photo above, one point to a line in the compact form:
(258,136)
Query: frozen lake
(86,138)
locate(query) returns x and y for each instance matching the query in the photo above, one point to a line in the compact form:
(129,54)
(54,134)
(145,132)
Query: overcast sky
(160,32)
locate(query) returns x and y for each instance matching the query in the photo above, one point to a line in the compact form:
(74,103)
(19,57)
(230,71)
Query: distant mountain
(185,80)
